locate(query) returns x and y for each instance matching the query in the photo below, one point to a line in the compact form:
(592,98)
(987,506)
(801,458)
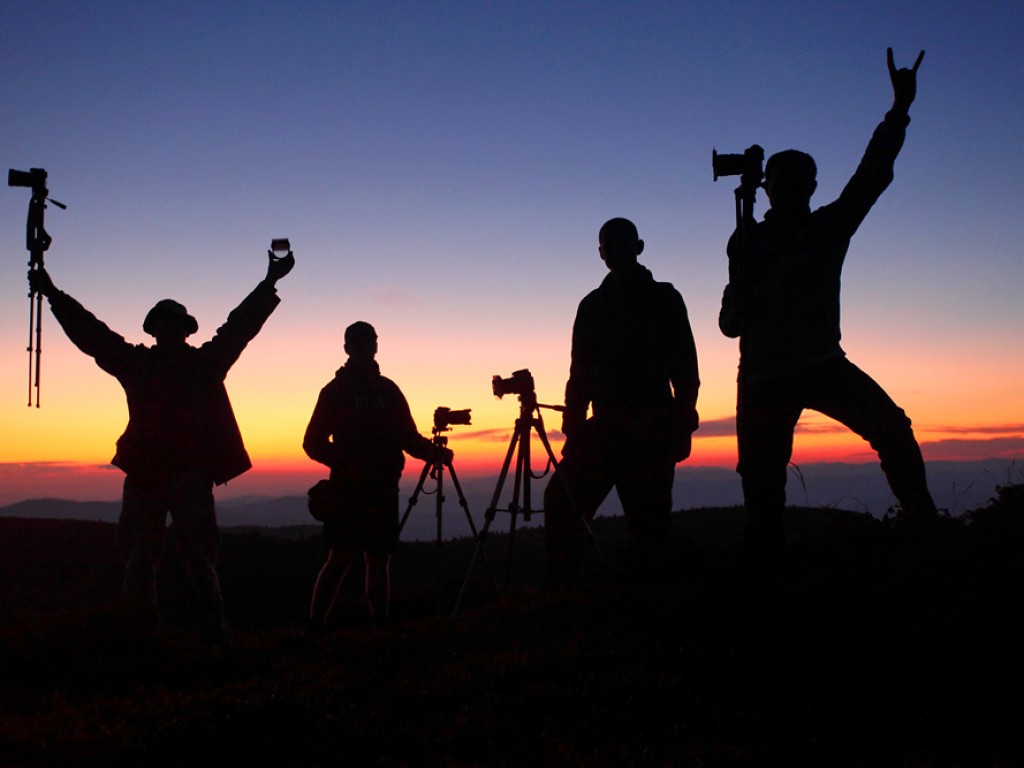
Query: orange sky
(63,447)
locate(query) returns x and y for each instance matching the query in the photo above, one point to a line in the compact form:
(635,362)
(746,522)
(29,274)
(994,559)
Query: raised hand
(39,281)
(904,82)
(278,267)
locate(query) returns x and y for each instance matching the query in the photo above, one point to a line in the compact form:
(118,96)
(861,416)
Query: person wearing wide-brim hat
(181,438)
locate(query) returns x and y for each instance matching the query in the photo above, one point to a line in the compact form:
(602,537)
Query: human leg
(377,583)
(198,540)
(847,394)
(571,498)
(328,584)
(766,415)
(645,491)
(140,536)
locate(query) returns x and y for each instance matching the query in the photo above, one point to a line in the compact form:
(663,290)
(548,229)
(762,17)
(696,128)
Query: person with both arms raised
(181,438)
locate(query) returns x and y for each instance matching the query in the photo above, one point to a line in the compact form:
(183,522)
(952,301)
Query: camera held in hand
(445,417)
(749,165)
(519,383)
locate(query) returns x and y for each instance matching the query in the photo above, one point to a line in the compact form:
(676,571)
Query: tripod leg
(371,582)
(493,508)
(523,485)
(427,466)
(565,484)
(438,540)
(567,523)
(469,518)
(39,341)
(520,489)
(31,337)
(488,518)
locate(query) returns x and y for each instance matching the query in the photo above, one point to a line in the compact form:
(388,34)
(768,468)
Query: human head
(619,243)
(361,340)
(790,178)
(169,321)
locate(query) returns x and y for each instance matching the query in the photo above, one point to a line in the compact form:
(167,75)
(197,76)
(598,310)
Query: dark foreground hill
(874,644)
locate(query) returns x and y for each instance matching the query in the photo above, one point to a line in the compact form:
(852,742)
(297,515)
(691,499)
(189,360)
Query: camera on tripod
(749,165)
(445,417)
(519,383)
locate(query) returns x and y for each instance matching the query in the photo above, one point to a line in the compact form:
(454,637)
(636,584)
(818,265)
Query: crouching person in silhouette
(359,429)
(782,302)
(634,361)
(181,438)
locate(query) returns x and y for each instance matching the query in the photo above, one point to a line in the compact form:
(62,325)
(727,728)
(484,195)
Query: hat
(169,315)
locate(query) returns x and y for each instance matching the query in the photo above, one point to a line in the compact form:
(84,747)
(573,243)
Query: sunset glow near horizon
(443,173)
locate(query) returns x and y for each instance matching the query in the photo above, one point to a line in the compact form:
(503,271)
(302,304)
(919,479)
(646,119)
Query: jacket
(782,300)
(179,414)
(361,426)
(633,353)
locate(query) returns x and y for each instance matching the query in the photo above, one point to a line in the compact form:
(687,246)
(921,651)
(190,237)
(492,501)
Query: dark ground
(874,645)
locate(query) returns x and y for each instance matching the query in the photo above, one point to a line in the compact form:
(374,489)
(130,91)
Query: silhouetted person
(783,304)
(181,437)
(360,427)
(635,363)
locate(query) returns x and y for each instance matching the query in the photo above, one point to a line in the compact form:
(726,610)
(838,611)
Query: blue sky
(442,170)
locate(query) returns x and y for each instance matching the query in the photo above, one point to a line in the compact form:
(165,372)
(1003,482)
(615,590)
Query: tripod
(529,418)
(38,242)
(435,469)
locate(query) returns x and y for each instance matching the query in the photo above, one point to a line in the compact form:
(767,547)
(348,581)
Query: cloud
(57,479)
(716,428)
(818,424)
(727,427)
(488,435)
(504,435)
(44,469)
(990,429)
(955,449)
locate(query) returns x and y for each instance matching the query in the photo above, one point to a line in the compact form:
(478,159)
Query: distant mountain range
(957,487)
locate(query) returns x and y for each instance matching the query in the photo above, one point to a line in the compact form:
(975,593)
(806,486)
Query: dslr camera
(519,383)
(445,417)
(749,165)
(34,178)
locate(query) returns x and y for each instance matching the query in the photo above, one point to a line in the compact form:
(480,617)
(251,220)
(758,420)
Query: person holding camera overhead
(360,427)
(181,438)
(634,362)
(782,301)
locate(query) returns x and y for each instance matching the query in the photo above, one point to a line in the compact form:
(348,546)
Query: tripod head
(36,239)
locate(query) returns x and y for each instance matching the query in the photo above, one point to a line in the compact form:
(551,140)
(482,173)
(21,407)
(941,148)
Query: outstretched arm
(875,171)
(247,319)
(84,330)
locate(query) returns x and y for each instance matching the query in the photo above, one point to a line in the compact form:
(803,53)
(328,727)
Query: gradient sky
(442,171)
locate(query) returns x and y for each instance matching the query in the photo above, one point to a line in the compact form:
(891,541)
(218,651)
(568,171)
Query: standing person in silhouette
(181,437)
(783,304)
(635,363)
(359,429)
